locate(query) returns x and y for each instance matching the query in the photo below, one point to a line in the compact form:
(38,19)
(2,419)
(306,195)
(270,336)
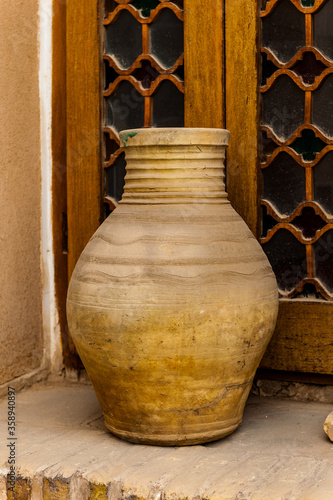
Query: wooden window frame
(231,48)
(76,126)
(303,338)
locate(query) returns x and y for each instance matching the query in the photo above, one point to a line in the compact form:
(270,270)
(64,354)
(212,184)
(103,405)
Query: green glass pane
(308,145)
(145,6)
(307,3)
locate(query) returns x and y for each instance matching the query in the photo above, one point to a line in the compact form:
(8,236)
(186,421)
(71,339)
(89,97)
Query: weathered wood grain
(203,59)
(83,125)
(59,180)
(303,340)
(242,105)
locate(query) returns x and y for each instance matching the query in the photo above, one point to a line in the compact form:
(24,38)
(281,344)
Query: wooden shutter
(222,58)
(296,67)
(203,99)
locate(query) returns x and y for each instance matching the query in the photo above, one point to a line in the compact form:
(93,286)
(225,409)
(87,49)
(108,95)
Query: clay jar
(173,302)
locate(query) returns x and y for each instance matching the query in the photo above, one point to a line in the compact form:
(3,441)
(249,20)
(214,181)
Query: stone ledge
(297,391)
(64,452)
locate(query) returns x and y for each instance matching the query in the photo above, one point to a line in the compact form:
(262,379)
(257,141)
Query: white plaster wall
(29,332)
(53,354)
(21,335)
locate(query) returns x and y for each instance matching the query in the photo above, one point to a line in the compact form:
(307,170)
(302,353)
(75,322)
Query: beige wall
(20,191)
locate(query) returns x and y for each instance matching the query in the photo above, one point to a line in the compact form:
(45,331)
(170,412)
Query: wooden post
(203,56)
(83,125)
(242,108)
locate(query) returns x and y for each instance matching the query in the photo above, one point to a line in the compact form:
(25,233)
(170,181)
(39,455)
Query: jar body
(171,307)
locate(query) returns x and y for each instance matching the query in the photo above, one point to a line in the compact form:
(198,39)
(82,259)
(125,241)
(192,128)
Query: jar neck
(175,174)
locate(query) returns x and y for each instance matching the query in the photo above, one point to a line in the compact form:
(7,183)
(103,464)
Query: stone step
(64,452)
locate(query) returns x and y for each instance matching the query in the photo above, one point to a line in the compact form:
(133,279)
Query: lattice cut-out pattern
(309,68)
(297,159)
(309,222)
(146,6)
(307,3)
(144,73)
(308,145)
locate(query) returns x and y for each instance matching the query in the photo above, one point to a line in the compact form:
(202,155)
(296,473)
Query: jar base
(191,438)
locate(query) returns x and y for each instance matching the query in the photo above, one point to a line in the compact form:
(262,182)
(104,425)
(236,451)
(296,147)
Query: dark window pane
(323,182)
(268,68)
(166,38)
(110,74)
(110,5)
(145,6)
(179,3)
(309,292)
(168,106)
(146,74)
(180,72)
(283,107)
(322,29)
(124,39)
(284,183)
(268,145)
(308,145)
(309,67)
(268,222)
(115,178)
(284,30)
(125,108)
(110,146)
(323,105)
(308,222)
(288,259)
(324,259)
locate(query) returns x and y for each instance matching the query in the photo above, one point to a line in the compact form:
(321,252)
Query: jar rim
(177,136)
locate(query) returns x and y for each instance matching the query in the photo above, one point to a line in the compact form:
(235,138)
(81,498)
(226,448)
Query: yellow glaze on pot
(173,302)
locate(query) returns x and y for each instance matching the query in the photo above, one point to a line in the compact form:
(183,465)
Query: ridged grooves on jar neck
(190,173)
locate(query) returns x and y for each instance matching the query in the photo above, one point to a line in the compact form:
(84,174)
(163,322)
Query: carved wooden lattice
(297,128)
(144,76)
